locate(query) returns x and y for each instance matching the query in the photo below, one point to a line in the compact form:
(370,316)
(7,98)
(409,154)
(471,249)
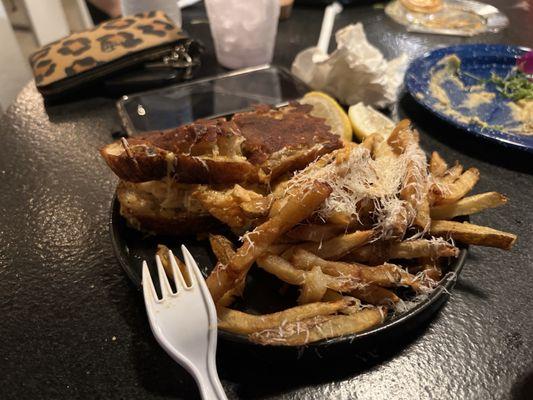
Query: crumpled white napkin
(356,71)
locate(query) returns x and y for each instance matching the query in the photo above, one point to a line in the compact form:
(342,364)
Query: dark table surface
(72,325)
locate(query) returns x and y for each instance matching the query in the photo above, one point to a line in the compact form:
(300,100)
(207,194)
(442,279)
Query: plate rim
(520,142)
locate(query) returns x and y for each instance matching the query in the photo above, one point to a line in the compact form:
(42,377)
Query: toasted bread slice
(150,207)
(256,146)
(285,139)
(203,152)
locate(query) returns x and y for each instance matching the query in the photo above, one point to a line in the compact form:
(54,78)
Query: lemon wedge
(367,120)
(326,107)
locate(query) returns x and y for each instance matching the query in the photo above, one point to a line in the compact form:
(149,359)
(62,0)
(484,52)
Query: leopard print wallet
(86,58)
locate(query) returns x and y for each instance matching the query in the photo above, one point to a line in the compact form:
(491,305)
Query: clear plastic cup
(169,7)
(244,31)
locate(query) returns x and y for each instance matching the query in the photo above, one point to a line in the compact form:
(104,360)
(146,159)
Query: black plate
(262,292)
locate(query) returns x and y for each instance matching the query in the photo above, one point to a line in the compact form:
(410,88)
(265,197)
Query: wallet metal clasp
(178,58)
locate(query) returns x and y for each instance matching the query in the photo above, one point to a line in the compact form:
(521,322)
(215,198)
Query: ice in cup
(244,31)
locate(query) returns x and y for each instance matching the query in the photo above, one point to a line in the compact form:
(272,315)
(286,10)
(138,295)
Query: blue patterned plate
(480,61)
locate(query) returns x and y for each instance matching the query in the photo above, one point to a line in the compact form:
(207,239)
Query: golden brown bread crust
(196,170)
(144,212)
(268,131)
(255,146)
(198,138)
(146,162)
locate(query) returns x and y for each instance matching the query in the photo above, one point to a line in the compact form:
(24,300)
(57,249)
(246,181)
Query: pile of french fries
(349,267)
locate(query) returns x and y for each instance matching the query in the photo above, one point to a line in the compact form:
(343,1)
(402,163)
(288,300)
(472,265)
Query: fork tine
(148,284)
(166,290)
(179,280)
(192,268)
(198,277)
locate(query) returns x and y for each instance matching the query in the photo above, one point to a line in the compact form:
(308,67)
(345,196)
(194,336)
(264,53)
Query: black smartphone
(205,98)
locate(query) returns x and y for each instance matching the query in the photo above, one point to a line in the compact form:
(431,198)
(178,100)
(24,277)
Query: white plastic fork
(185,323)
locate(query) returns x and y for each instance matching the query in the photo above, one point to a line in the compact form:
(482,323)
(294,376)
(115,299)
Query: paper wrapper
(355,72)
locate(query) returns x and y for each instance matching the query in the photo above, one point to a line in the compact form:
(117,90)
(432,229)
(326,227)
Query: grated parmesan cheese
(356,176)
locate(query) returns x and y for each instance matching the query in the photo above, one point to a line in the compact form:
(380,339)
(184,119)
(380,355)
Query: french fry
(365,218)
(243,323)
(344,221)
(222,248)
(305,260)
(340,218)
(375,295)
(318,328)
(297,205)
(401,136)
(414,192)
(428,273)
(282,187)
(440,184)
(229,297)
(224,206)
(423,218)
(253,204)
(282,269)
(314,232)
(473,234)
(394,146)
(460,188)
(375,253)
(382,149)
(286,272)
(354,309)
(236,201)
(452,174)
(314,287)
(225,247)
(343,154)
(337,247)
(415,183)
(288,252)
(468,205)
(278,248)
(279,188)
(385,275)
(287,241)
(372,141)
(437,165)
(382,275)
(431,270)
(162,252)
(398,222)
(332,295)
(423,248)
(404,250)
